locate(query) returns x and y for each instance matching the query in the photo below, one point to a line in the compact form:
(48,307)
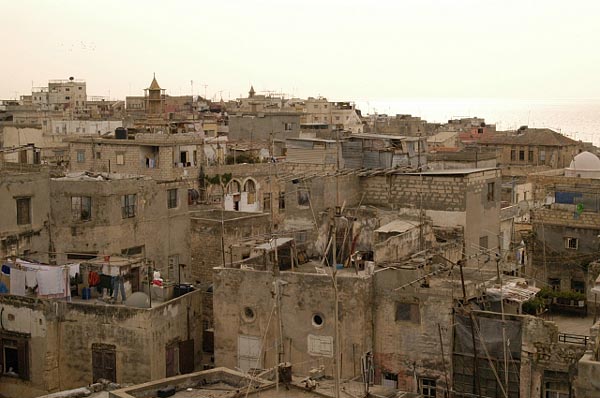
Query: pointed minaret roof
(154,85)
(251,92)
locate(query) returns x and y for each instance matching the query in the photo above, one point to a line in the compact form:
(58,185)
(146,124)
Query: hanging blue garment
(5,269)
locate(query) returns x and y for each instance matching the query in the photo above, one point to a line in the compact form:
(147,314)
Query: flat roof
(454,171)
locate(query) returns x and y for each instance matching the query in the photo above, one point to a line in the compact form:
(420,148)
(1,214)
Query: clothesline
(44,280)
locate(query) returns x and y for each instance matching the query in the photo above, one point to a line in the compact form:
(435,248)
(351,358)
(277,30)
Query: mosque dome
(585,161)
(584,165)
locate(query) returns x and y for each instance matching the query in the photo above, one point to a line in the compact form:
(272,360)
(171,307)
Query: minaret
(251,92)
(155,99)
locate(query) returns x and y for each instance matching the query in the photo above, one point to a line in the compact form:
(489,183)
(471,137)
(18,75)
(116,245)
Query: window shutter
(23,353)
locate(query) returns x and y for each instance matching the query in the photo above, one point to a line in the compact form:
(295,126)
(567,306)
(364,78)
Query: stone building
(531,147)
(53,345)
(105,214)
(162,157)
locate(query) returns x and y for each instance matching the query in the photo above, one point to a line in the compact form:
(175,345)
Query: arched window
(233,187)
(250,188)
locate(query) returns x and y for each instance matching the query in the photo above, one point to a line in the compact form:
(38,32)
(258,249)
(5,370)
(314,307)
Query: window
(490,191)
(267,201)
(427,387)
(530,156)
(172,198)
(233,187)
(389,379)
(81,208)
(554,284)
(303,197)
(14,356)
(578,286)
(281,200)
(23,211)
(542,156)
(287,126)
(408,312)
(571,243)
(521,155)
(483,242)
(556,390)
(120,159)
(128,205)
(80,156)
(98,155)
(250,188)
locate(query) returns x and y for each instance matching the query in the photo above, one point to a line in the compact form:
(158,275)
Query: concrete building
(566,226)
(26,214)
(263,127)
(468,198)
(64,95)
(339,115)
(383,151)
(164,157)
(106,214)
(53,345)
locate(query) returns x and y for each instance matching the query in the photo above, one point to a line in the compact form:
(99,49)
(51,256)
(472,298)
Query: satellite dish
(138,300)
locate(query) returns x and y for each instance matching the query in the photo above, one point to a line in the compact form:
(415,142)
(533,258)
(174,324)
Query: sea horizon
(577,118)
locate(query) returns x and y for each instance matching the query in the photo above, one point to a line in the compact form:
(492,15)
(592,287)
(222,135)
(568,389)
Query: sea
(576,118)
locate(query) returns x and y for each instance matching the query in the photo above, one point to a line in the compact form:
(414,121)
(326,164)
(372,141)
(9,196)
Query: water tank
(121,133)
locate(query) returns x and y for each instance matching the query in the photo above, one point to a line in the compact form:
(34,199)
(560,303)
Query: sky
(343,50)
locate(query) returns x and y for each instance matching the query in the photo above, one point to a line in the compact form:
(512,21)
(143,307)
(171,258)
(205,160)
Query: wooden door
(104,364)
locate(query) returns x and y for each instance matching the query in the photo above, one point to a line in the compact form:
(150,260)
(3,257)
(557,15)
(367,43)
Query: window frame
(491,191)
(80,156)
(128,205)
(172,198)
(77,210)
(428,387)
(568,243)
(23,218)
(21,344)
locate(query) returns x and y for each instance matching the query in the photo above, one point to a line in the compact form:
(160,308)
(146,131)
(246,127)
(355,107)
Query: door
(248,352)
(172,359)
(186,356)
(103,362)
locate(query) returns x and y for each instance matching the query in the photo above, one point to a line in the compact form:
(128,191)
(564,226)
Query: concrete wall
(450,200)
(407,348)
(62,335)
(30,238)
(108,233)
(206,244)
(303,295)
(264,126)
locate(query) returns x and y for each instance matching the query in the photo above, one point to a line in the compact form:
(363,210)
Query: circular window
(318,320)
(248,314)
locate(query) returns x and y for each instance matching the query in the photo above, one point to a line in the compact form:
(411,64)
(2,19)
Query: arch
(250,189)
(234,187)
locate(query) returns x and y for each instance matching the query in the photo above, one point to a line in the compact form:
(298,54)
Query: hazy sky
(338,49)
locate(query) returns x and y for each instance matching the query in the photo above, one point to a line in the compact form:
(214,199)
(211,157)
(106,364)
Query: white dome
(585,161)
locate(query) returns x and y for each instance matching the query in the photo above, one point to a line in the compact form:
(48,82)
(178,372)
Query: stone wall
(62,335)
